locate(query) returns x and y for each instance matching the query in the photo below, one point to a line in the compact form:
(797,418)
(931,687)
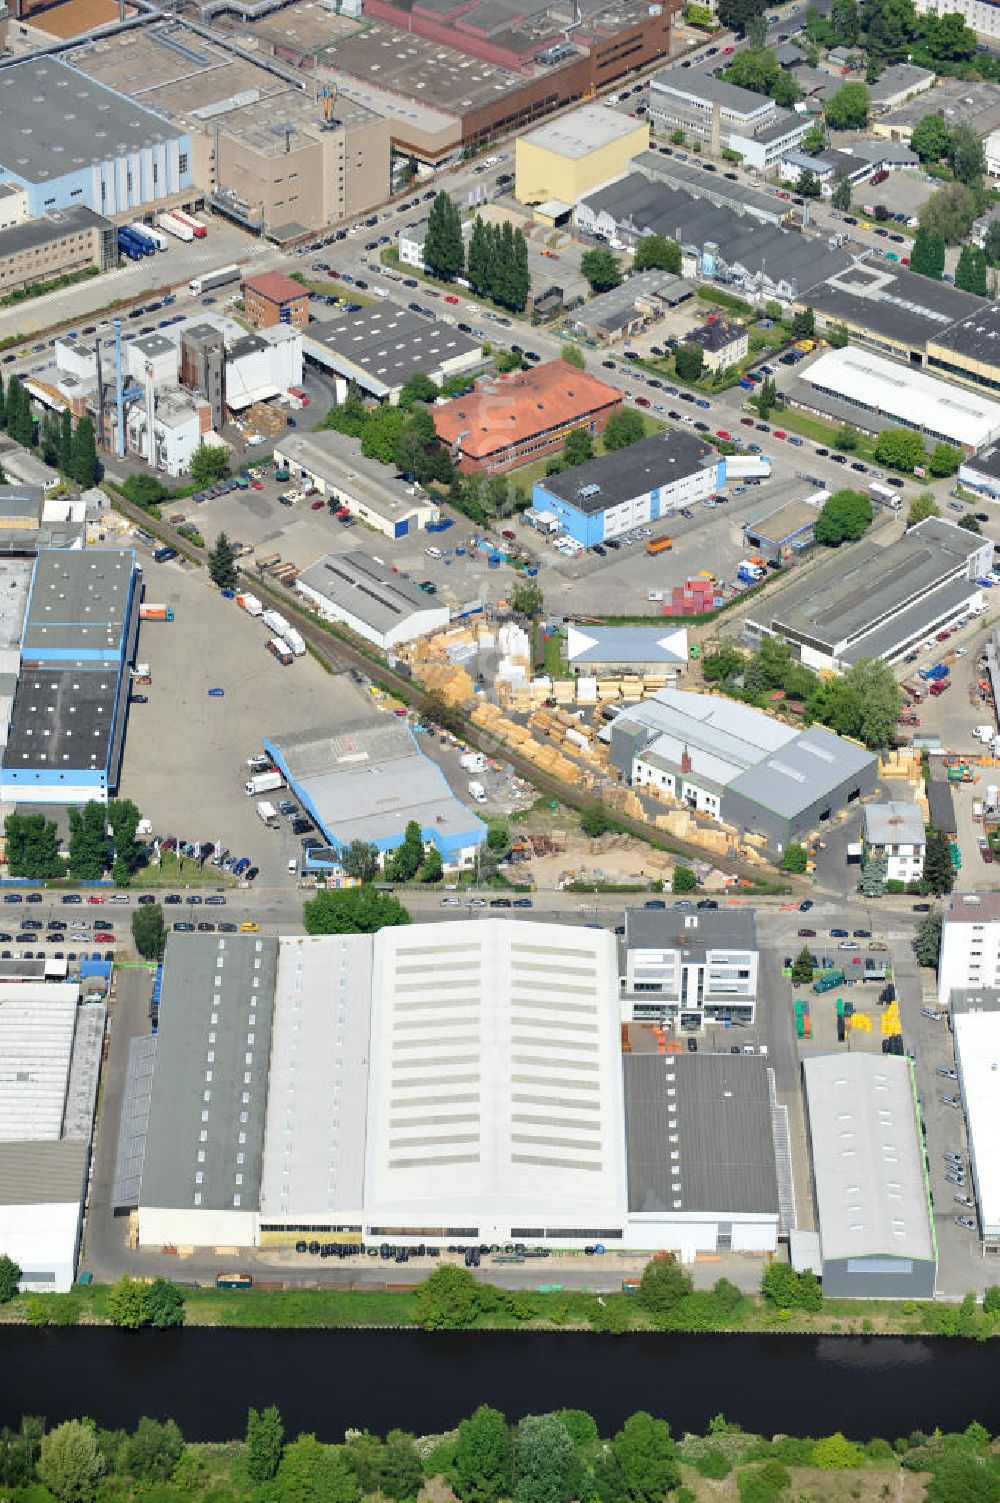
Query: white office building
(687,969)
(969,960)
(977,1055)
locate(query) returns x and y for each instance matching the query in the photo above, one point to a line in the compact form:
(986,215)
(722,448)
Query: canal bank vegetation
(559,1457)
(453,1299)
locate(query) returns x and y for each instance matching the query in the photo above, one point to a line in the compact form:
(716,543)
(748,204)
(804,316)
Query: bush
(713,1464)
(763,1483)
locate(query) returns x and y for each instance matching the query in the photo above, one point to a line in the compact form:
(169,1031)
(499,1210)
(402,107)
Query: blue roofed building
(65,692)
(632,487)
(367,781)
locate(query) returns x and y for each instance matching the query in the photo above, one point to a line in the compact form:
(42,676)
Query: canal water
(330,1381)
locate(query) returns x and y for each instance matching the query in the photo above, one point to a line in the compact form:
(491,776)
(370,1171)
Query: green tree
(33,847)
(526,598)
(931,139)
(10,1278)
(482,1470)
(622,428)
(222,564)
(846,438)
(361,860)
(646,1459)
(939,874)
(835,1453)
(723,663)
(336,1478)
(543,1460)
(970,523)
(354,910)
(164,1305)
(848,108)
(899,448)
(20,423)
(88,841)
(837,337)
(418,388)
(764,1483)
(264,1443)
(601,270)
(66,442)
(48,440)
(297,1470)
(808,184)
(128,1303)
(397,1469)
(927,940)
(927,255)
(840,197)
(145,491)
(573,355)
(794,858)
(844,518)
(767,397)
(874,686)
(578,447)
(814,139)
(803,324)
(780,1283)
(966,155)
(149,931)
(404,863)
(70,1462)
(689,360)
(887,27)
(960,1476)
(657,253)
(663,1288)
(444,248)
(970,273)
(802,968)
(209,463)
(123,817)
(949,213)
(448,1300)
(845,22)
(944,460)
(921,507)
(736,15)
(433,867)
(85,466)
(991,244)
(683,879)
(154,1450)
(595,822)
(947,39)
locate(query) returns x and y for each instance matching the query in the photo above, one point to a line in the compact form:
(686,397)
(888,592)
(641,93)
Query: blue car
(216,693)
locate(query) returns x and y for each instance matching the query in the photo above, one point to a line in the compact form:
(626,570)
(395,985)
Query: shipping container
(250,604)
(156,613)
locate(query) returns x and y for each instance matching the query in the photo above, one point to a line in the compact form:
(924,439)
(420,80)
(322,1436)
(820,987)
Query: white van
(477,792)
(433,552)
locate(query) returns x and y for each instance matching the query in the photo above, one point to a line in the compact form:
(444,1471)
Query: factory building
(373,601)
(368,781)
(99,149)
(688,969)
(737,765)
(333,465)
(890,309)
(50,1060)
(977,1057)
(438,1083)
(380,347)
(633,487)
(70,625)
(876,1240)
(879,601)
(876,393)
(613,651)
(57,245)
(557,163)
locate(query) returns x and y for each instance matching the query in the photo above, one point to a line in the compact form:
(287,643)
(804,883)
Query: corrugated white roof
(898,391)
(977,1054)
(868,1166)
(37,1023)
(496,1082)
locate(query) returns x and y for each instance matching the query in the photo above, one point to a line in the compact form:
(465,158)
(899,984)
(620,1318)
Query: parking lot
(185,751)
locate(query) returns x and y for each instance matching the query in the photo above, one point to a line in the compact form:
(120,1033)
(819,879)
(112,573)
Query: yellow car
(249,927)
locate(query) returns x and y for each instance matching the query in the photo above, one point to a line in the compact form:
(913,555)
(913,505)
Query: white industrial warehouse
(439,1083)
(977,1055)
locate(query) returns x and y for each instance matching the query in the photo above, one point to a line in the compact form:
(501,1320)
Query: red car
(726,51)
(510,536)
(449,298)
(747,422)
(721,433)
(104,938)
(318,505)
(780,433)
(258,485)
(642,401)
(95,898)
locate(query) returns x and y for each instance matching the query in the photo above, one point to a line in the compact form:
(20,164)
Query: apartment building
(688,968)
(895,834)
(970,945)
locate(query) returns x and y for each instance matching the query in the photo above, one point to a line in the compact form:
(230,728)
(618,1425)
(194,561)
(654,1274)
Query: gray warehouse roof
(368,590)
(955,101)
(84,122)
(79,601)
(868,1166)
(895,302)
(613,478)
(706,88)
(43,1173)
(977,337)
(63,718)
(894,823)
(206,1117)
(718,1122)
(803,771)
(693,177)
(694,933)
(390,343)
